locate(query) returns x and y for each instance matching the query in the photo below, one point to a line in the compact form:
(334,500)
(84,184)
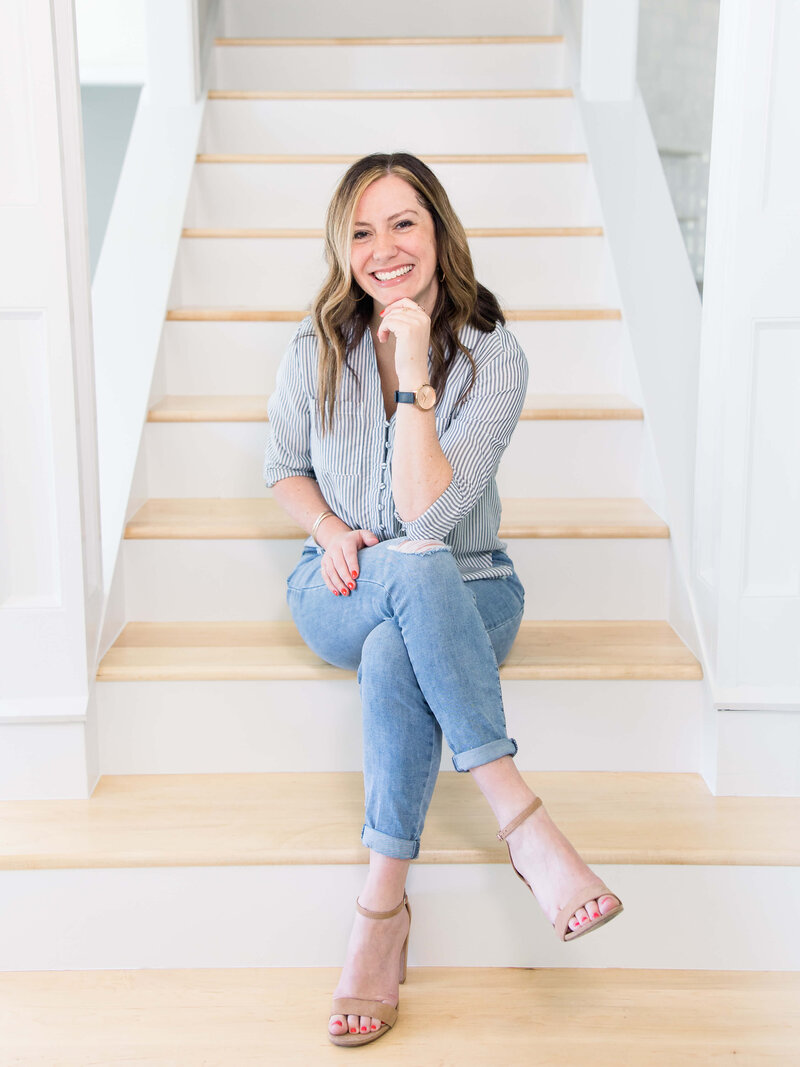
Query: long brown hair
(341,311)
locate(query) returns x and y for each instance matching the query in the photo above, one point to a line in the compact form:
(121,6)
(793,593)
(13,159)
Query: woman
(393,406)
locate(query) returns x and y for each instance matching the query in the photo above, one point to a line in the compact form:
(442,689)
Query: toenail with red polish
(353,1030)
(596,915)
(354,573)
(374,1027)
(363,1029)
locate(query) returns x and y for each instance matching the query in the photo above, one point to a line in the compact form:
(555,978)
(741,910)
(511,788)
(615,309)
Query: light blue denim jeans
(427,646)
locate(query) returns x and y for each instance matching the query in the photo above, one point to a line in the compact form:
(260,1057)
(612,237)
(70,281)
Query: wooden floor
(501,1017)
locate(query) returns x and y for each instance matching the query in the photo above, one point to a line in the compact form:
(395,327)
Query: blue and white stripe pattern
(353,462)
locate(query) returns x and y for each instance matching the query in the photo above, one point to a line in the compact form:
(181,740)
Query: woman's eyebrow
(397,214)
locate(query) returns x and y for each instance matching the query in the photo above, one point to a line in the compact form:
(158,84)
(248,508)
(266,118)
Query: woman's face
(393,249)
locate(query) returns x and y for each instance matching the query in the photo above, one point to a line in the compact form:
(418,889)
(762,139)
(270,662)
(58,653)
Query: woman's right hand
(340,562)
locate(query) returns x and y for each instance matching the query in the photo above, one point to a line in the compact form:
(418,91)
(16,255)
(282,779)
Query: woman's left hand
(411,327)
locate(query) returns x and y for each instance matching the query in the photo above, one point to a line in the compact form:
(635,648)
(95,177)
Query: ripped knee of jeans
(419,548)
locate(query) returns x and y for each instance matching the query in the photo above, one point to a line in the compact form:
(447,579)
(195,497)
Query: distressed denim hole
(419,548)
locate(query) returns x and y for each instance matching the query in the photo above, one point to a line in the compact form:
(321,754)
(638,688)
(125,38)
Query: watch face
(426,397)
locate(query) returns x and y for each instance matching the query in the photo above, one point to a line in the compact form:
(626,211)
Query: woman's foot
(554,870)
(372,967)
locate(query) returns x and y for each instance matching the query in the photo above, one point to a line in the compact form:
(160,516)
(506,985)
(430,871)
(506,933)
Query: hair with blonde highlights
(341,311)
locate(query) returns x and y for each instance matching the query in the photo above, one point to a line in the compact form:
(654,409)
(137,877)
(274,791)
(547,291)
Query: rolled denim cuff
(396,847)
(476,757)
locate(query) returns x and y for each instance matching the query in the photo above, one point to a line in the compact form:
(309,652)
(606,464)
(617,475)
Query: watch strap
(404,398)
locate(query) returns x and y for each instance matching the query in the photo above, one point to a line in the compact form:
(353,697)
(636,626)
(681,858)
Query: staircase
(224,832)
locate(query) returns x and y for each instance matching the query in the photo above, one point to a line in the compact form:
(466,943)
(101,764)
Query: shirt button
(381,486)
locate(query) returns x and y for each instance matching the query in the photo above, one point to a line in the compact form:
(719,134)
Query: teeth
(385,276)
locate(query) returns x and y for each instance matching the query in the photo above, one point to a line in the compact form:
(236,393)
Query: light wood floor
(500,1017)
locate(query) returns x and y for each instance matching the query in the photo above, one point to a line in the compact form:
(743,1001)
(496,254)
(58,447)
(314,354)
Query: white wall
(112,41)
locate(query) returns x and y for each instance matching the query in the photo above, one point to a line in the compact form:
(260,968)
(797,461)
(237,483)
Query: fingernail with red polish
(336,592)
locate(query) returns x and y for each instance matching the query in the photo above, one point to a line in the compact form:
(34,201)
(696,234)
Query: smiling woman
(393,407)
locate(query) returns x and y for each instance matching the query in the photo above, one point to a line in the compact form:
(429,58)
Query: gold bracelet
(320,518)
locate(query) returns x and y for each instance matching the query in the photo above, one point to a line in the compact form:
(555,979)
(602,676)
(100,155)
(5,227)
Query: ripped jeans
(427,645)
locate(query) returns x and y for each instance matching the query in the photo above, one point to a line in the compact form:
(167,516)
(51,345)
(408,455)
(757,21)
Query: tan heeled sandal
(592,891)
(374,1009)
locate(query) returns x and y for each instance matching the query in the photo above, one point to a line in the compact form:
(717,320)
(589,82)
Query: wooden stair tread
(290,42)
(221,1016)
(545,406)
(471,231)
(388,94)
(261,517)
(183,820)
(346,159)
(261,650)
(237,314)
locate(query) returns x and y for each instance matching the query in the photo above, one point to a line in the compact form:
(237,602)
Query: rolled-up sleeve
(477,436)
(288,450)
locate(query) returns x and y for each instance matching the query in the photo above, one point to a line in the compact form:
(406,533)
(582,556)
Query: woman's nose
(383,246)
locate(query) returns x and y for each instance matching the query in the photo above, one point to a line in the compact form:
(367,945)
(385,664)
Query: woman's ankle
(385,884)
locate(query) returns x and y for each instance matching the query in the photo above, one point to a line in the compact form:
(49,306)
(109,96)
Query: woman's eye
(359,234)
(405,222)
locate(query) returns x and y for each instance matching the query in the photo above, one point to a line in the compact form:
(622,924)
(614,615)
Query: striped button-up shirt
(352,462)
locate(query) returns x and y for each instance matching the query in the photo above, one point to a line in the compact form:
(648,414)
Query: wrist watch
(424,398)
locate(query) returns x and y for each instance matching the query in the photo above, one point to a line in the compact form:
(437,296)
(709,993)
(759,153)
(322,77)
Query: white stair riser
(417,126)
(681,917)
(249,727)
(336,67)
(359,18)
(285,272)
(590,457)
(167,580)
(286,195)
(243,357)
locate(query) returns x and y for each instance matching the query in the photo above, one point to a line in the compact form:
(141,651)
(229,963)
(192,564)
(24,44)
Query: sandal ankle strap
(381,914)
(523,815)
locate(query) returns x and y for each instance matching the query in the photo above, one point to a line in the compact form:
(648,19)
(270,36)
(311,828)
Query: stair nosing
(209,820)
(346,159)
(256,518)
(244,314)
(180,408)
(253,233)
(390,94)
(330,42)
